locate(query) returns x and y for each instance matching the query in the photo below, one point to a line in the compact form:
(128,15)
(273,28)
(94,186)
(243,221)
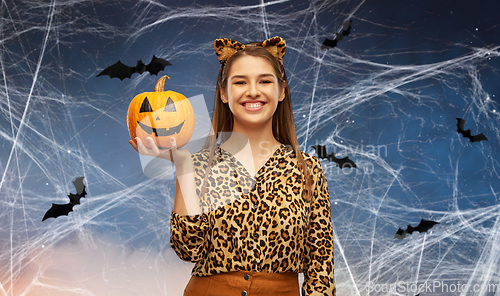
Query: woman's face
(252,92)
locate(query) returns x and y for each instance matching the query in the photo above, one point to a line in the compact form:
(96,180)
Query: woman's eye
(239,82)
(266,81)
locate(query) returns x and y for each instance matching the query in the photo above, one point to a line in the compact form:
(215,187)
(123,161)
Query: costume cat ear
(276,46)
(225,48)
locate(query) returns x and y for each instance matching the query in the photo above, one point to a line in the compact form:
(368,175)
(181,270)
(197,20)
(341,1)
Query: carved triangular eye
(146,107)
(170,106)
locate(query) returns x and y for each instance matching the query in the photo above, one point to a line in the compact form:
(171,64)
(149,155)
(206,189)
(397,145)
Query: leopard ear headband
(225,48)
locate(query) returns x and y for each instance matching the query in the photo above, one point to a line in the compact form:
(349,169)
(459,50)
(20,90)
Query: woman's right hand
(177,156)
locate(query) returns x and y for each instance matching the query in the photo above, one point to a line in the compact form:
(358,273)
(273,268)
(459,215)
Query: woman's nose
(253,90)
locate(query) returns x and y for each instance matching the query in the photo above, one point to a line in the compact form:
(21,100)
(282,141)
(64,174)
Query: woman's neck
(261,143)
(257,136)
(256,141)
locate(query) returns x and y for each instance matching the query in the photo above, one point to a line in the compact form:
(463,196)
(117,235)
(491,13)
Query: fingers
(169,154)
(134,145)
(173,144)
(140,146)
(154,149)
(173,149)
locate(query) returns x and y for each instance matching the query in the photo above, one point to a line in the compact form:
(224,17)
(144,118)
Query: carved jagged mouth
(161,132)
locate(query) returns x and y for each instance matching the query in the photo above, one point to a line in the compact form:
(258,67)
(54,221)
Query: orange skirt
(244,283)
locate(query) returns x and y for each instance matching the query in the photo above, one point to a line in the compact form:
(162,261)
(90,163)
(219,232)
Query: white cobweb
(387,96)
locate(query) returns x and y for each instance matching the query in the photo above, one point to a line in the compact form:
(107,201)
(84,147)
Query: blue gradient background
(397,82)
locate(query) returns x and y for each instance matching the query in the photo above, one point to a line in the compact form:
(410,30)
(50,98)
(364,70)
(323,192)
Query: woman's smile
(253,106)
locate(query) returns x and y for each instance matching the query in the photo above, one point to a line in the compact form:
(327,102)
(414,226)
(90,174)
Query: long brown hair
(283,126)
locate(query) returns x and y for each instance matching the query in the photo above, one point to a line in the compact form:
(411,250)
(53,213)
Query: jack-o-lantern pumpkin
(161,115)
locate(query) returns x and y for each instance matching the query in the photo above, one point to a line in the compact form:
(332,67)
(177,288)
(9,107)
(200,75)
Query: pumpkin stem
(160,84)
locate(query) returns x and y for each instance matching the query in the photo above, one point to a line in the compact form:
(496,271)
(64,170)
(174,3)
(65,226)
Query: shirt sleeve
(188,236)
(318,272)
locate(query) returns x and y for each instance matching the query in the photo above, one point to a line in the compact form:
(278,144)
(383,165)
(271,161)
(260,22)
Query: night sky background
(387,96)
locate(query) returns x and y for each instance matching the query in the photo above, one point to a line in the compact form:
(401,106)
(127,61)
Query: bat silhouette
(74,199)
(346,30)
(466,133)
(123,71)
(341,162)
(422,227)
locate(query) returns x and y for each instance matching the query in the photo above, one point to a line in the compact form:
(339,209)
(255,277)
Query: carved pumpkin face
(161,115)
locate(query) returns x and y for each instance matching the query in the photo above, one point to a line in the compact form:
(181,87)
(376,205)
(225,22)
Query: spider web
(387,96)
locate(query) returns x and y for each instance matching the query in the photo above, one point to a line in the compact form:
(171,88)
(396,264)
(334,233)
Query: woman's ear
(282,95)
(223,96)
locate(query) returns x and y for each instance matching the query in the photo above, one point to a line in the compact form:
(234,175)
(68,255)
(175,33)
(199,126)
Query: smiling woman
(280,225)
(387,96)
(251,218)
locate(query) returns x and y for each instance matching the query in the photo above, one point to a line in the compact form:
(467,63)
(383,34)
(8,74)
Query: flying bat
(123,71)
(466,133)
(346,30)
(341,162)
(422,227)
(74,199)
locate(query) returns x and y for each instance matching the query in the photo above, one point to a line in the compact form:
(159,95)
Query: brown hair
(283,126)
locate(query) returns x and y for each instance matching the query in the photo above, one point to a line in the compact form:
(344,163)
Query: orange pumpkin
(161,115)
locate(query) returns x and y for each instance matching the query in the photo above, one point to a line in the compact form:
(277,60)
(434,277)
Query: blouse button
(255,207)
(255,261)
(247,277)
(243,293)
(255,234)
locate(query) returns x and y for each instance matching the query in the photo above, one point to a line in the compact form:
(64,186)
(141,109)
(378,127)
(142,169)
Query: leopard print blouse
(269,228)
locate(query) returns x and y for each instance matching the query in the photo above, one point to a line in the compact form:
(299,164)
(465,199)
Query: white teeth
(256,105)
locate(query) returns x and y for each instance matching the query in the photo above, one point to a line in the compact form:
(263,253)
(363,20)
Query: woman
(254,211)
